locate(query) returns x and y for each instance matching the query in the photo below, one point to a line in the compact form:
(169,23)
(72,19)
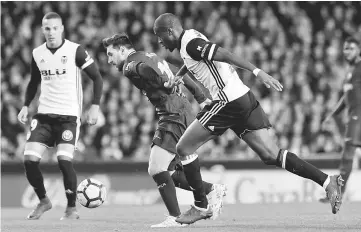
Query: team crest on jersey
(67,135)
(64,59)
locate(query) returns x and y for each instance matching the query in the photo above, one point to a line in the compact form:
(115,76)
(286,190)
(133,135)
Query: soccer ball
(91,193)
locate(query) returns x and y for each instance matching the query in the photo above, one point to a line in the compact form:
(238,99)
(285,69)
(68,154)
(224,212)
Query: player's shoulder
(39,49)
(192,34)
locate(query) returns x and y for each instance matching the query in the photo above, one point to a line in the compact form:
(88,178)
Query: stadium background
(298,43)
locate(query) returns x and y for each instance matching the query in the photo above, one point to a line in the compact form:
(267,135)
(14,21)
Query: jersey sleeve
(82,58)
(35,80)
(200,49)
(143,71)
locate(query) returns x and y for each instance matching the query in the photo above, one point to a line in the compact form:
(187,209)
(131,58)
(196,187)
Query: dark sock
(193,174)
(168,193)
(345,171)
(292,163)
(35,178)
(180,181)
(70,181)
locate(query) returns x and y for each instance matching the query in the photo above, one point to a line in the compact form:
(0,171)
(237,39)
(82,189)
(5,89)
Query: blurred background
(299,43)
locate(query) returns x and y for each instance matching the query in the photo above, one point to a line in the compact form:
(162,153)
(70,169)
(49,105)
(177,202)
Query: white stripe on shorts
(208,115)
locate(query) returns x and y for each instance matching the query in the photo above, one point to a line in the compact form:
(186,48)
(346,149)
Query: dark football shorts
(169,131)
(241,115)
(353,128)
(54,129)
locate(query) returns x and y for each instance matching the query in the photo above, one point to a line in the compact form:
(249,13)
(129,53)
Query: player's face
(53,31)
(116,56)
(166,39)
(351,51)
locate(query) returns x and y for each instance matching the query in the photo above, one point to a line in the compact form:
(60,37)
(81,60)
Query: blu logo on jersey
(50,74)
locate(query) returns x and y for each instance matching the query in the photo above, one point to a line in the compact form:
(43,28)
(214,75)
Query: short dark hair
(351,39)
(121,39)
(52,15)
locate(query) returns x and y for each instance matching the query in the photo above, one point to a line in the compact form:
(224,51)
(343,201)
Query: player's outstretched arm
(31,90)
(200,49)
(340,106)
(85,62)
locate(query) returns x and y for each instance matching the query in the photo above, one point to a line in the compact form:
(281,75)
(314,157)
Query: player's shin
(167,191)
(193,175)
(35,178)
(70,180)
(345,171)
(293,164)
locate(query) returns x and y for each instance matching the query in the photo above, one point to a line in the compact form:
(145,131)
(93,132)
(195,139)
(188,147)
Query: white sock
(327,181)
(202,209)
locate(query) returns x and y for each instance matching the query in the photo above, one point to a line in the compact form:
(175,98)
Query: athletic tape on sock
(34,153)
(284,159)
(189,159)
(64,153)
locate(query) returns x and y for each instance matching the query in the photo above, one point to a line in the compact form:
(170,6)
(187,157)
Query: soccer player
(56,66)
(233,107)
(149,73)
(351,101)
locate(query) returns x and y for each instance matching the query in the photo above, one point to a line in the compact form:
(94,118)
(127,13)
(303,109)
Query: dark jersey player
(233,107)
(149,73)
(351,101)
(56,67)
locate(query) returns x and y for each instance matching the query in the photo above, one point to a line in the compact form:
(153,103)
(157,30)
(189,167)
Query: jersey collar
(53,50)
(180,39)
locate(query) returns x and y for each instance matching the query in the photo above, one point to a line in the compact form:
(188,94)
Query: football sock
(292,163)
(180,181)
(35,178)
(167,192)
(70,180)
(345,171)
(193,174)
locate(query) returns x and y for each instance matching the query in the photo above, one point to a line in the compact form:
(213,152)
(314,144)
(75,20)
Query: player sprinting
(56,66)
(351,101)
(148,72)
(233,107)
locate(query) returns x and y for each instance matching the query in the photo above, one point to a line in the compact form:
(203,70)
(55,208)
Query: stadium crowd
(299,43)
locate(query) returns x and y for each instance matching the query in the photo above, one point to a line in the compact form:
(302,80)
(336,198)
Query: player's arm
(199,49)
(87,64)
(189,83)
(33,85)
(339,107)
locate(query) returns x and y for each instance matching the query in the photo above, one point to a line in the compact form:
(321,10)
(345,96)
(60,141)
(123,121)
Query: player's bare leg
(263,143)
(32,156)
(348,155)
(158,169)
(65,162)
(194,137)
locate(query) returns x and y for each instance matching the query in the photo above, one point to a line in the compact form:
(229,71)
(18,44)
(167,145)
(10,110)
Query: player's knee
(268,158)
(156,169)
(181,150)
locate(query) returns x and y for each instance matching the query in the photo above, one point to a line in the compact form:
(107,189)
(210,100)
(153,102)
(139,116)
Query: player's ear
(62,28)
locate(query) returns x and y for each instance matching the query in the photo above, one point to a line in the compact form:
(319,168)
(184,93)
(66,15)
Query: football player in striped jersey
(233,107)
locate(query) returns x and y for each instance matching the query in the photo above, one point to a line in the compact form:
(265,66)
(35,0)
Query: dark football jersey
(352,88)
(166,103)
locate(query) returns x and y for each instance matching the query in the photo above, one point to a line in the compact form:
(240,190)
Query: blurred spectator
(300,43)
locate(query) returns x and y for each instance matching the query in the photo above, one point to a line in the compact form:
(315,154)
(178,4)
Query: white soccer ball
(91,193)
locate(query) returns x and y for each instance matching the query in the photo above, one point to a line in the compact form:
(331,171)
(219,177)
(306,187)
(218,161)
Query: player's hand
(23,115)
(270,81)
(92,116)
(173,81)
(206,102)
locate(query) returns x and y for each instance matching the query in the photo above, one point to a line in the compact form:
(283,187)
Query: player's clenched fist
(23,115)
(92,116)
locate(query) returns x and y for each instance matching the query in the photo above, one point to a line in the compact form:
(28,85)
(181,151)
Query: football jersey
(61,85)
(352,88)
(165,102)
(220,78)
